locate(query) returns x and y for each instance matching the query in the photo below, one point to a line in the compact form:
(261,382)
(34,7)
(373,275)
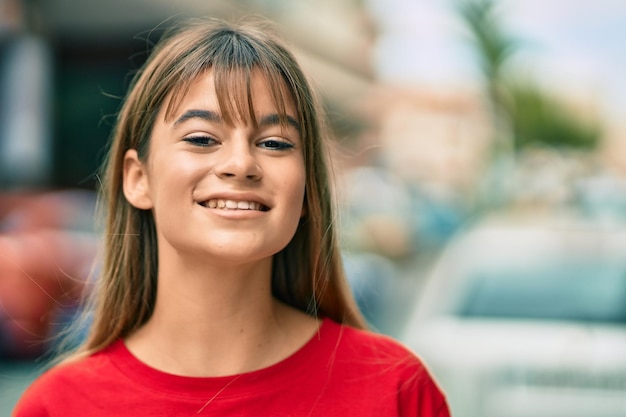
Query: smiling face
(219,191)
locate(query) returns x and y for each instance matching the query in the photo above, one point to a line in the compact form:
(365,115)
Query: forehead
(238,96)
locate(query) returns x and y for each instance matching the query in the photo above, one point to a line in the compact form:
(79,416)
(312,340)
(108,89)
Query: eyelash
(206,141)
(203,141)
(278,145)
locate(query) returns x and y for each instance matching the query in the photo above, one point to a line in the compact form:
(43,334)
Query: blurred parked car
(527,319)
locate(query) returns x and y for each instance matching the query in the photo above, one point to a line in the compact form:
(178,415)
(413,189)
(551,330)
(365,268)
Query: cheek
(297,185)
(289,181)
(295,208)
(297,194)
(177,175)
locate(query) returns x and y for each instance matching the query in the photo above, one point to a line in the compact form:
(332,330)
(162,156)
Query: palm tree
(523,114)
(493,47)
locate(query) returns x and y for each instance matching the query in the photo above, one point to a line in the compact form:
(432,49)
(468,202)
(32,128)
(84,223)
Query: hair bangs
(233,87)
(234,59)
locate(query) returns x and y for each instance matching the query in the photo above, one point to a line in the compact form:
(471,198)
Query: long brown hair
(308,272)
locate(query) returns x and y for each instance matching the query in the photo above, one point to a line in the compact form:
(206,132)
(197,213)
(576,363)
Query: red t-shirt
(340,372)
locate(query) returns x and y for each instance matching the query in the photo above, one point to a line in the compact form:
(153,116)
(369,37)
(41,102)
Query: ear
(135,181)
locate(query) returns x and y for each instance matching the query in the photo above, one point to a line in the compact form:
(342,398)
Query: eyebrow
(276,119)
(211,116)
(207,115)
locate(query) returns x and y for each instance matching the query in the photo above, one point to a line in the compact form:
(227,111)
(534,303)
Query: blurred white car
(527,319)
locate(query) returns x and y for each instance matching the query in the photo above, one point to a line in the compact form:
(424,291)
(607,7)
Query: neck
(214,321)
(210,295)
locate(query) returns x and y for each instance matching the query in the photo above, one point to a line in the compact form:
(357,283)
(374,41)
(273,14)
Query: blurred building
(433,137)
(25,87)
(86,53)
(75,61)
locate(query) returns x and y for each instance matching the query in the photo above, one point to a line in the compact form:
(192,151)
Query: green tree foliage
(540,120)
(524,114)
(493,45)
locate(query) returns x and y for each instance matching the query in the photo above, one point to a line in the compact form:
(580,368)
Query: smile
(234,205)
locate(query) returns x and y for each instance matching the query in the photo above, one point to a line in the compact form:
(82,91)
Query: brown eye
(276,145)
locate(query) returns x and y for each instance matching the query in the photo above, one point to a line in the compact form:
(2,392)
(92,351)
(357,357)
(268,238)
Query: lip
(265,204)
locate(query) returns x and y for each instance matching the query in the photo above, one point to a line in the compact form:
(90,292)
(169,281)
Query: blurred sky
(575,46)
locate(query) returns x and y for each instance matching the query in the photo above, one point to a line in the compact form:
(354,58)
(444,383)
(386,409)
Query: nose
(237,161)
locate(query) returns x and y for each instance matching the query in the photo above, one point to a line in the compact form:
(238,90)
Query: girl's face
(221,193)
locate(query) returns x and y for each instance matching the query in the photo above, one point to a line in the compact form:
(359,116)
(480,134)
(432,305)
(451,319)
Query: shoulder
(35,400)
(367,359)
(373,352)
(58,386)
(362,343)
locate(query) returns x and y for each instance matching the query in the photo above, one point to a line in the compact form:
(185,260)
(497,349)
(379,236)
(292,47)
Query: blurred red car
(47,249)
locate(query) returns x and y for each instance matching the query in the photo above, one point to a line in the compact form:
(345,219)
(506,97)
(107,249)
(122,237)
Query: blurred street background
(446,114)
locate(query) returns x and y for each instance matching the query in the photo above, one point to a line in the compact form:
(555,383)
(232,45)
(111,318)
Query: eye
(201,140)
(276,144)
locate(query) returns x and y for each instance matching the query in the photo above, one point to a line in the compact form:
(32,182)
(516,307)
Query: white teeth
(233,205)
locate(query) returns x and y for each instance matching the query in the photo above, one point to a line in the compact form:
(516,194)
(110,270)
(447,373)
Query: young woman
(222,291)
